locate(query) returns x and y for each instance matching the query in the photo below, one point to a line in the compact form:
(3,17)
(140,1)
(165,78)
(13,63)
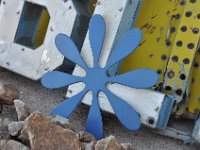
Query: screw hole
(196,65)
(171,74)
(190,46)
(179,92)
(151,121)
(192,1)
(168,43)
(198,16)
(188,14)
(168,88)
(163,57)
(175,58)
(179,43)
(186,61)
(182,76)
(183,28)
(195,30)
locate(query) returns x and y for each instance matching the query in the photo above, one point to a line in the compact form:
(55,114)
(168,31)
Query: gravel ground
(44,100)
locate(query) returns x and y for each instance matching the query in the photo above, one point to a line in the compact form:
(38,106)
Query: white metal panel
(24,60)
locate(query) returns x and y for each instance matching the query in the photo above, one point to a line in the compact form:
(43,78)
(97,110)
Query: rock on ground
(14,128)
(60,121)
(86,137)
(44,135)
(8,93)
(127,146)
(87,140)
(12,145)
(109,143)
(23,111)
(9,115)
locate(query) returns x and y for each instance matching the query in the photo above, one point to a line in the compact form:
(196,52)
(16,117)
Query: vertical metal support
(194,85)
(184,50)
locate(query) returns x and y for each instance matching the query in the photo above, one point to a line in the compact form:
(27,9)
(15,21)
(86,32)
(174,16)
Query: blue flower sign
(97,78)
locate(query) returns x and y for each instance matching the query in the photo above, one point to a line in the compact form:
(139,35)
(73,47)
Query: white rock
(60,121)
(12,145)
(4,134)
(23,111)
(2,143)
(109,143)
(89,146)
(14,128)
(127,146)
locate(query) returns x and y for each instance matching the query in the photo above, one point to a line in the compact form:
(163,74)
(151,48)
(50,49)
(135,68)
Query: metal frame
(35,63)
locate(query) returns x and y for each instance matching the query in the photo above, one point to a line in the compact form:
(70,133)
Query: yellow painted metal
(194,90)
(185,44)
(194,96)
(92,5)
(42,27)
(171,36)
(156,19)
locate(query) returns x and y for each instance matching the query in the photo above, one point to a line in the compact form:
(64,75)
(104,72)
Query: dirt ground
(44,100)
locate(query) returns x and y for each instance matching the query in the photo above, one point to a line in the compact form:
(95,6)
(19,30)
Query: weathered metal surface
(148,105)
(141,79)
(171,39)
(155,22)
(194,87)
(176,134)
(184,47)
(21,49)
(196,131)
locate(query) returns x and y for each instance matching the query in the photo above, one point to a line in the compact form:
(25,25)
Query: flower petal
(67,47)
(66,108)
(94,123)
(141,78)
(124,112)
(97,30)
(126,45)
(56,79)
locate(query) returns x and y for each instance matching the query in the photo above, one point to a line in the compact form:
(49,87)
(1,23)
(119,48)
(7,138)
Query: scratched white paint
(45,57)
(23,60)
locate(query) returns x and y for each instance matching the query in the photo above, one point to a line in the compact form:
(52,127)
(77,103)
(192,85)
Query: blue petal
(56,79)
(126,45)
(67,47)
(124,112)
(94,123)
(97,29)
(66,108)
(141,79)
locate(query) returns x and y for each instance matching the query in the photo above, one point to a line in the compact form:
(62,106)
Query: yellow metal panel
(158,20)
(92,5)
(166,44)
(194,91)
(194,96)
(184,49)
(42,28)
